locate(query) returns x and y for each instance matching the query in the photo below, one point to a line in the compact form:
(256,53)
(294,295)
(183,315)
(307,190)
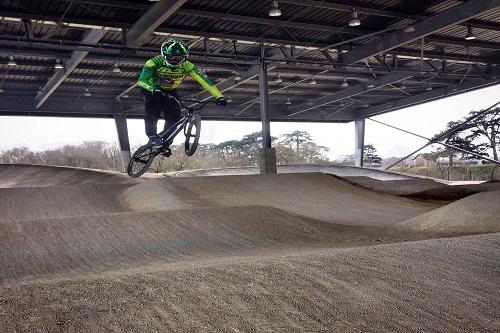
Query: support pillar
(359,141)
(122,130)
(267,154)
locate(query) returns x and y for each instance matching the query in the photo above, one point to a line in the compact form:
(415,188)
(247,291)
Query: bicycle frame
(183,120)
(178,128)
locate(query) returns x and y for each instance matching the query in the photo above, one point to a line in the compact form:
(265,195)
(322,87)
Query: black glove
(221,101)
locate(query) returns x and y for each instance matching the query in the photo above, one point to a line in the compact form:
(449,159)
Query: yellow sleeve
(204,81)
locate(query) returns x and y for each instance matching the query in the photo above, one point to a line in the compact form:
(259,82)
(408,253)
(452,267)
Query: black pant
(155,104)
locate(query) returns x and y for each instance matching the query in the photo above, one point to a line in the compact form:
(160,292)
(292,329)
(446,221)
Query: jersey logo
(167,81)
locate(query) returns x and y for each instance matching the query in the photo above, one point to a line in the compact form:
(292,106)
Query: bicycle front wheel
(141,161)
(192,132)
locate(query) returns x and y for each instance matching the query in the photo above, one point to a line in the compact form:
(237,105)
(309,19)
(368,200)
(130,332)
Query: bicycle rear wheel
(192,132)
(141,161)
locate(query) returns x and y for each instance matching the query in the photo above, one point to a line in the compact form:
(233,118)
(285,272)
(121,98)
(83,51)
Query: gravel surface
(444,285)
(280,253)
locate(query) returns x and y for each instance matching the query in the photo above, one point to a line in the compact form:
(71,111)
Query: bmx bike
(190,123)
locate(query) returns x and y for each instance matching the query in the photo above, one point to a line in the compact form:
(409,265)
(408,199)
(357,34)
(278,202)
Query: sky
(40,133)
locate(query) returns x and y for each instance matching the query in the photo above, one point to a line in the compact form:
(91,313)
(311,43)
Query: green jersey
(156,74)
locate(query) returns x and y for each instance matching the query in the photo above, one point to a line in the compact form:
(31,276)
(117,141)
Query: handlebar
(195,107)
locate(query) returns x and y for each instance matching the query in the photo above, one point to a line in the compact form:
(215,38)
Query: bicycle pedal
(167,153)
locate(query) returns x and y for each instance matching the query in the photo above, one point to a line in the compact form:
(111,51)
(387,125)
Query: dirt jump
(90,251)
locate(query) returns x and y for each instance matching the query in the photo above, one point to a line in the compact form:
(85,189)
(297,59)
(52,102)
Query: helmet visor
(174,59)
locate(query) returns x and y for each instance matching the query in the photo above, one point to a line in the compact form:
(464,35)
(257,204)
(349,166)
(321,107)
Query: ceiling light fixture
(278,79)
(288,101)
(11,61)
(312,81)
(370,84)
(354,21)
(58,64)
(470,35)
(402,86)
(344,84)
(428,88)
(410,27)
(237,76)
(116,68)
(274,11)
(87,93)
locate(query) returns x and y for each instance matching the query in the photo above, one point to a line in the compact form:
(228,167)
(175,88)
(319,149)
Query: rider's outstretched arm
(205,82)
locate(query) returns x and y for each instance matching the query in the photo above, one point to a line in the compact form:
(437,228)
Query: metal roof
(310,39)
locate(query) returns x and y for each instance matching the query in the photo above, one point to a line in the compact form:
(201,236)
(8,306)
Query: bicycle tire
(190,146)
(141,161)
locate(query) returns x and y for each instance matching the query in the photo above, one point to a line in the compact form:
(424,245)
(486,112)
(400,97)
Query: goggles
(174,59)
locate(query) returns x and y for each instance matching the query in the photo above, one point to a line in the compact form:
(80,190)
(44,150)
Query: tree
(229,151)
(296,138)
(465,137)
(250,145)
(19,155)
(486,126)
(346,159)
(370,155)
(312,153)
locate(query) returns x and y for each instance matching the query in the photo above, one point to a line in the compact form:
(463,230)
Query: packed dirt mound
(455,192)
(90,244)
(423,189)
(396,187)
(478,213)
(24,203)
(90,251)
(16,175)
(338,170)
(442,285)
(315,195)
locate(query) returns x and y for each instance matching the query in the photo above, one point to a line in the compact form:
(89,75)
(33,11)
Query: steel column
(359,141)
(268,155)
(122,131)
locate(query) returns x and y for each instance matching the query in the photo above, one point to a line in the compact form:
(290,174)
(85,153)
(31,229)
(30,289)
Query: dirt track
(308,252)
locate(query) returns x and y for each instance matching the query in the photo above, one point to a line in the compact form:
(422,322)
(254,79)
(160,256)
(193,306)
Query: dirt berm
(281,253)
(320,196)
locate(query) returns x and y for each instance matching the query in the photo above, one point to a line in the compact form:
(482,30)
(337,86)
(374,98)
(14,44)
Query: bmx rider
(160,78)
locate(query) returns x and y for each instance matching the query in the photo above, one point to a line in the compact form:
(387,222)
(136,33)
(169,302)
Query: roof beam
(346,8)
(92,37)
(82,22)
(246,76)
(425,97)
(351,92)
(273,22)
(309,3)
(112,52)
(90,23)
(149,21)
(455,15)
(383,12)
(230,83)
